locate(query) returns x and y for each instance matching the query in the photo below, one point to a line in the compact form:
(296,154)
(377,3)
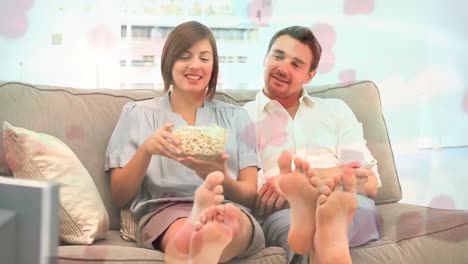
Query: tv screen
(31,208)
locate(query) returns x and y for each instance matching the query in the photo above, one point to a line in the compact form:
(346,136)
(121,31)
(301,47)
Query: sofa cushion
(128,225)
(417,234)
(31,155)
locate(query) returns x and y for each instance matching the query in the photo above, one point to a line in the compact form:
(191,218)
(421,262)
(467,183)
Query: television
(28,221)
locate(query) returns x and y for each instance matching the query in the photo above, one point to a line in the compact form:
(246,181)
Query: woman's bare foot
(209,241)
(241,229)
(301,192)
(176,241)
(208,194)
(334,214)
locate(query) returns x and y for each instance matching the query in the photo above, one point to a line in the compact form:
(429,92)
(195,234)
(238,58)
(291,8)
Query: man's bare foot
(334,214)
(301,192)
(209,241)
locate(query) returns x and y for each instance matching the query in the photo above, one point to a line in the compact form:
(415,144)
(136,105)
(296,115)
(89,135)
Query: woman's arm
(125,182)
(243,190)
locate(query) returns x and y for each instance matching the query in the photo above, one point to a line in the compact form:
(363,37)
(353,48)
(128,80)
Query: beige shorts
(152,226)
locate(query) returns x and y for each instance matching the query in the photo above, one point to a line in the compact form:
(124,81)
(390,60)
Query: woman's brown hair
(180,39)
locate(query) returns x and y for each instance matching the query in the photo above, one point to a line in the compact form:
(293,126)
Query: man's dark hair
(305,36)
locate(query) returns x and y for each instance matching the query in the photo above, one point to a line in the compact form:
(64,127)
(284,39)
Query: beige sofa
(410,233)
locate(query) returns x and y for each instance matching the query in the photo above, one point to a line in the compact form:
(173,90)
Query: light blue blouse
(167,180)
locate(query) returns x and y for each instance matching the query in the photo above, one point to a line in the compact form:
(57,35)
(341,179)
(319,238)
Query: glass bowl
(202,142)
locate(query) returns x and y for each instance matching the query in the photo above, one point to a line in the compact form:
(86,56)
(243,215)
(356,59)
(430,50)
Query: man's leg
(276,230)
(365,226)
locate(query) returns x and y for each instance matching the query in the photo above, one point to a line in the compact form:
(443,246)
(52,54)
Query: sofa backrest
(84,120)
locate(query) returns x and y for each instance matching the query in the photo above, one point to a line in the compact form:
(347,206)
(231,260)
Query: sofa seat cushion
(107,254)
(112,239)
(120,254)
(407,231)
(115,250)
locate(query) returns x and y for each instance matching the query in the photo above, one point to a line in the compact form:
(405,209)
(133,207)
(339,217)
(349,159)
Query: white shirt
(325,132)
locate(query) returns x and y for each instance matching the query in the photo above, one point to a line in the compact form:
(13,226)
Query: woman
(177,198)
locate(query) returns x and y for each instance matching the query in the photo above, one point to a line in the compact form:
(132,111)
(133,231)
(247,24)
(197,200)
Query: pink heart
(465,101)
(347,76)
(13,18)
(327,62)
(356,7)
(270,131)
(101,37)
(260,12)
(75,132)
(326,35)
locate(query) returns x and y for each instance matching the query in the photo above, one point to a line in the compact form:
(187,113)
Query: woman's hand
(163,142)
(204,167)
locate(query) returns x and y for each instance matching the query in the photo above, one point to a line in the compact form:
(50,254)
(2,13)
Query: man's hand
(205,167)
(269,198)
(362,175)
(366,181)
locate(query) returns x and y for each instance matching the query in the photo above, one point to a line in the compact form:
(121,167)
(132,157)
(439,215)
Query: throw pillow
(30,155)
(129,225)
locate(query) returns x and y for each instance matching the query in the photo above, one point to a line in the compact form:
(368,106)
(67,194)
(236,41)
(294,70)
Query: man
(321,133)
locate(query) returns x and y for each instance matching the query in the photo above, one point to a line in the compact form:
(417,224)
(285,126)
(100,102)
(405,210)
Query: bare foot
(207,197)
(232,215)
(334,214)
(301,192)
(208,194)
(208,242)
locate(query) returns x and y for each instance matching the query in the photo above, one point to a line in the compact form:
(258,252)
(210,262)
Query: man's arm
(352,149)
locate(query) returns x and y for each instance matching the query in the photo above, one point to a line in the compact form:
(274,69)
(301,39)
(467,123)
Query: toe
(324,189)
(218,189)
(305,167)
(311,172)
(348,180)
(315,182)
(284,162)
(218,198)
(213,179)
(321,199)
(298,163)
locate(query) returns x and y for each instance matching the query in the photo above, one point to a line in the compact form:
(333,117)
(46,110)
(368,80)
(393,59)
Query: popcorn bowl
(202,142)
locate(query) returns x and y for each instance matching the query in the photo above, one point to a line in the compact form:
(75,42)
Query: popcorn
(203,142)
